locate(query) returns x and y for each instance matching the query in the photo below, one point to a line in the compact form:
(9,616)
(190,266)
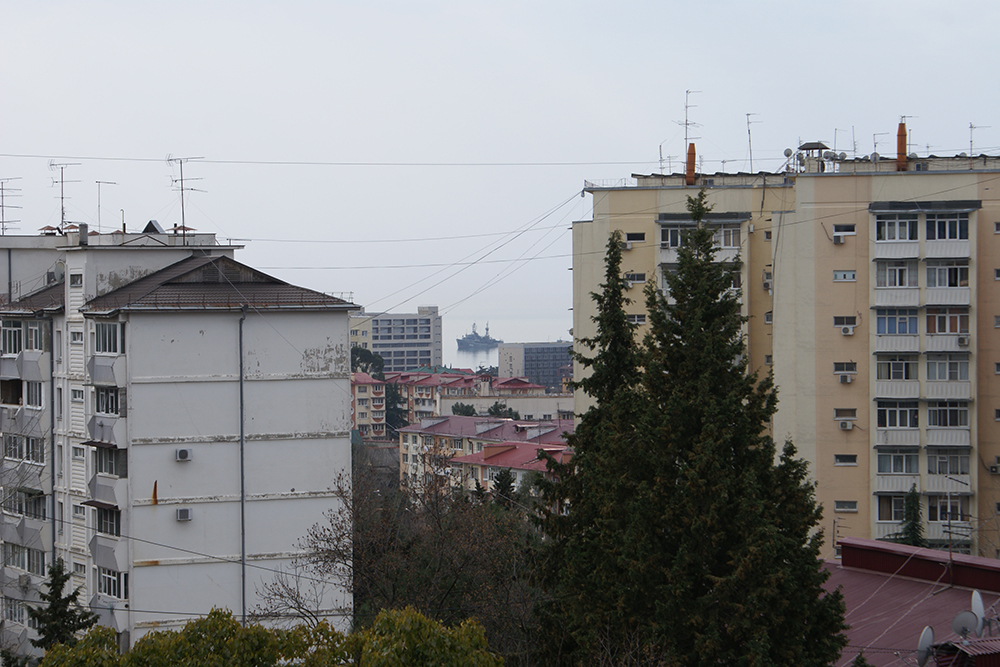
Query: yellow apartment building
(872,289)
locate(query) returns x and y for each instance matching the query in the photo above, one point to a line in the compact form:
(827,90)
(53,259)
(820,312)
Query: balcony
(948,437)
(961,531)
(897,389)
(900,437)
(109,489)
(948,296)
(884,529)
(896,483)
(950,249)
(26,531)
(107,371)
(111,612)
(109,429)
(109,552)
(897,297)
(890,343)
(949,390)
(896,250)
(946,343)
(943,484)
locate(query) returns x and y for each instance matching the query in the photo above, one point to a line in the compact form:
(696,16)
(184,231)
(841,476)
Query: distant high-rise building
(542,363)
(404,340)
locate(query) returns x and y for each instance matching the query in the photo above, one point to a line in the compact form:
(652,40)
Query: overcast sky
(433,153)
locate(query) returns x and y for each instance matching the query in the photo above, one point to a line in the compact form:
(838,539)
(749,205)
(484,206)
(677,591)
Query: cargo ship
(476,342)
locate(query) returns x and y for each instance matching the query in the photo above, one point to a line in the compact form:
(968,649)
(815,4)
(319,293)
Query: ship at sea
(475,342)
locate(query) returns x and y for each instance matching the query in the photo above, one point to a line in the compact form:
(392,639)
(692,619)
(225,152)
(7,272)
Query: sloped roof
(211,283)
(360,377)
(514,455)
(49,298)
(494,428)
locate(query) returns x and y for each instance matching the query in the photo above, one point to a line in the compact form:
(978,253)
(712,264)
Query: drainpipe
(52,430)
(243,495)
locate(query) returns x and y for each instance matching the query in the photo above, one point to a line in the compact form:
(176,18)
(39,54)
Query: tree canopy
(463,409)
(366,361)
(60,617)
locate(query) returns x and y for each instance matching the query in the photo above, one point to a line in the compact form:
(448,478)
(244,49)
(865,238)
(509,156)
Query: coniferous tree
(503,487)
(913,527)
(463,409)
(61,616)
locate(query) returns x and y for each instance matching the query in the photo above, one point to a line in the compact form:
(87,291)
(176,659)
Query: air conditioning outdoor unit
(838,239)
(185,454)
(625,245)
(184,514)
(995,470)
(963,341)
(846,379)
(847,331)
(23,581)
(767,284)
(844,426)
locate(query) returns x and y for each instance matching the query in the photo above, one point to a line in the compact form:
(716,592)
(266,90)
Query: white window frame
(33,394)
(107,401)
(948,274)
(948,414)
(896,368)
(895,273)
(896,227)
(845,276)
(845,230)
(107,337)
(11,337)
(947,226)
(845,505)
(897,415)
(112,583)
(947,368)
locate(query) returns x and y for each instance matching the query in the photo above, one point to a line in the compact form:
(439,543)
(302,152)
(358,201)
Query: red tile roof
(516,455)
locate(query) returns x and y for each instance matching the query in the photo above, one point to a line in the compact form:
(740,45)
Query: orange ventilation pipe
(689,177)
(901,147)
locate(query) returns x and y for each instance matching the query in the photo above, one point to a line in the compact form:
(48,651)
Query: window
(844,230)
(34,397)
(635,277)
(845,505)
(845,276)
(109,521)
(79,512)
(845,413)
(948,274)
(769,317)
(362,401)
(635,236)
(354,332)
(671,237)
(636,319)
(897,414)
(106,460)
(107,400)
(27,503)
(10,336)
(948,413)
(896,273)
(76,338)
(13,611)
(33,341)
(996,367)
(896,368)
(944,462)
(767,235)
(845,459)
(845,321)
(23,448)
(361,390)
(768,360)
(727,236)
(947,367)
(76,280)
(841,367)
(111,583)
(79,569)
(996,227)
(79,452)
(901,227)
(896,321)
(890,508)
(106,337)
(947,226)
(23,558)
(59,402)
(941,508)
(947,320)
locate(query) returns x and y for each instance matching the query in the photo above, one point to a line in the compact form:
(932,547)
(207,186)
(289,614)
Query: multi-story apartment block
(542,363)
(872,289)
(404,340)
(171,421)
(368,405)
(427,448)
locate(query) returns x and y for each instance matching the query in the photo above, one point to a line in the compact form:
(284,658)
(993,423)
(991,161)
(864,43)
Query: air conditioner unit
(963,341)
(838,239)
(847,331)
(995,470)
(185,454)
(767,284)
(844,426)
(846,379)
(184,514)
(24,581)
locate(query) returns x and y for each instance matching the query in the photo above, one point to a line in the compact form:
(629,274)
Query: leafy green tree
(463,409)
(503,487)
(60,617)
(499,409)
(366,361)
(405,637)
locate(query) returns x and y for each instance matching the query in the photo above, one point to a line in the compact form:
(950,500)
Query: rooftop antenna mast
(875,136)
(179,182)
(61,166)
(688,123)
(973,128)
(99,184)
(749,140)
(909,132)
(667,157)
(4,193)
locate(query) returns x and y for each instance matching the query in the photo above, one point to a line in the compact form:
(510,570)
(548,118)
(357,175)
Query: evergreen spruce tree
(582,565)
(61,616)
(503,487)
(913,527)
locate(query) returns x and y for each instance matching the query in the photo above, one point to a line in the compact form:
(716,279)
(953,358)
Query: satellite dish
(979,610)
(912,156)
(924,645)
(829,155)
(788,152)
(874,157)
(842,156)
(962,155)
(964,624)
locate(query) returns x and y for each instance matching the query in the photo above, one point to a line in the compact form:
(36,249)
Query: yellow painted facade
(884,337)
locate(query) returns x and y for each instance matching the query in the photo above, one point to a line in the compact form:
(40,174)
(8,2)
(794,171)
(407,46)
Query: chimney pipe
(83,231)
(901,147)
(689,177)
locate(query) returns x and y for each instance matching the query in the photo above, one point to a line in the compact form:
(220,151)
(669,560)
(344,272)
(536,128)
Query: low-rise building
(521,458)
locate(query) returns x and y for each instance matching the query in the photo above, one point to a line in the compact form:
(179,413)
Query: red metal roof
(516,455)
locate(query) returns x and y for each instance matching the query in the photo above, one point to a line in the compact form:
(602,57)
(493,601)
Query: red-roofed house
(520,457)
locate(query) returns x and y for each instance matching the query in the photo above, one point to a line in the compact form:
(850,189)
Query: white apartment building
(171,421)
(404,340)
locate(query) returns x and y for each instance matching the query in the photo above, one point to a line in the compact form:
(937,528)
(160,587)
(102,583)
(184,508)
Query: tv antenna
(875,137)
(179,183)
(4,193)
(688,123)
(973,128)
(61,181)
(668,157)
(909,132)
(749,140)
(99,184)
